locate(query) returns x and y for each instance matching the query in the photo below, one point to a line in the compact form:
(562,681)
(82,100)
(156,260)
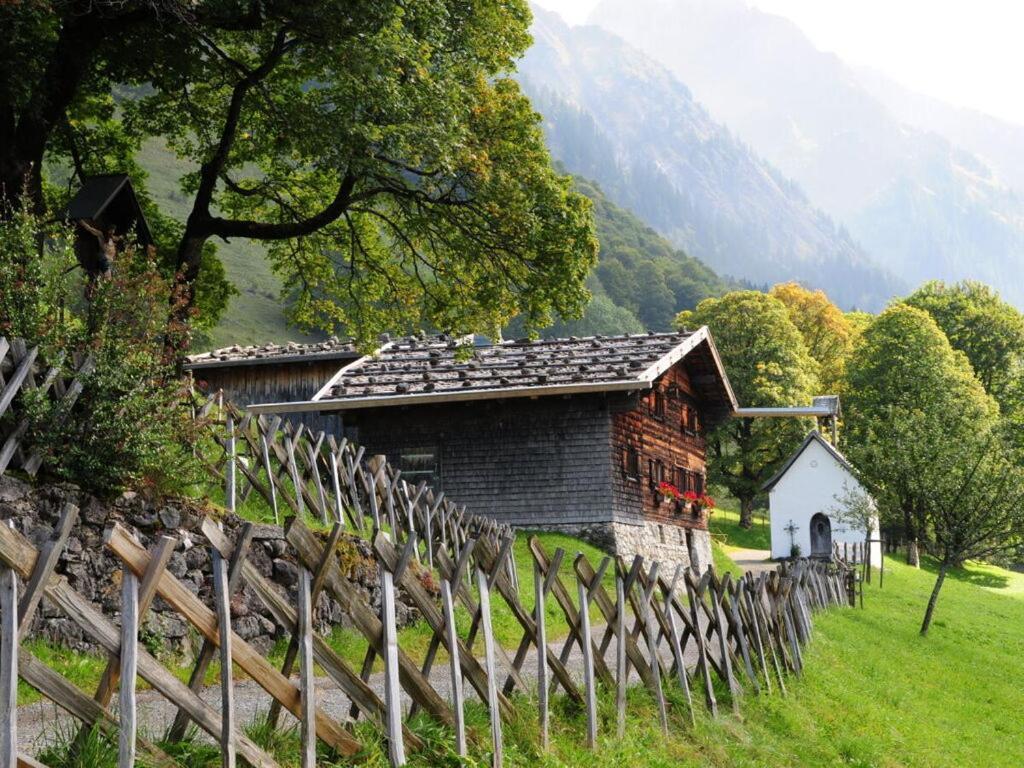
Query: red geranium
(707,502)
(667,489)
(690,496)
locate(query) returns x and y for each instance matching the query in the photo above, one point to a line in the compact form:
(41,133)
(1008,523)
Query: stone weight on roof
(442,365)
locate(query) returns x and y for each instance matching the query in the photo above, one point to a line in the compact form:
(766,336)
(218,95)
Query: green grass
(874,692)
(724,525)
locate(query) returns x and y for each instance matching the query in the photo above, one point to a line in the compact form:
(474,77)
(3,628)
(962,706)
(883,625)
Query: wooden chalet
(567,434)
(273,372)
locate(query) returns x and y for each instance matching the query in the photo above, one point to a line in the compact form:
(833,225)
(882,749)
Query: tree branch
(260,230)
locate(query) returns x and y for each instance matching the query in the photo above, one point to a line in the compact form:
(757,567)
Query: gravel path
(755,560)
(40,723)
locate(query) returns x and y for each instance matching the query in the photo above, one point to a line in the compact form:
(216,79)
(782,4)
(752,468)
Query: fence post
(490,667)
(542,656)
(392,689)
(229,470)
(271,478)
(8,666)
(621,670)
(129,665)
(222,597)
(881,564)
(304,630)
(586,646)
(456,667)
(650,632)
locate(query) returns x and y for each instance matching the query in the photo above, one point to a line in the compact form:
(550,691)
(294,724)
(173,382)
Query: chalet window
(658,407)
(656,471)
(420,464)
(631,463)
(689,422)
(689,480)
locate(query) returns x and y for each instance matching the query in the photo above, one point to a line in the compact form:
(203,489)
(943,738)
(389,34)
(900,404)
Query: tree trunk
(913,554)
(189,256)
(24,136)
(933,599)
(746,512)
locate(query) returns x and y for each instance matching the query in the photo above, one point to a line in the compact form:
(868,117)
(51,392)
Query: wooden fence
(744,636)
(22,370)
(297,472)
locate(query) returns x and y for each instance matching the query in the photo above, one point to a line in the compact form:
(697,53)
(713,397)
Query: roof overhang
(244,362)
(782,413)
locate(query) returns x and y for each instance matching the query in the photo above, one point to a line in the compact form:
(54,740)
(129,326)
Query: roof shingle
(258,354)
(440,365)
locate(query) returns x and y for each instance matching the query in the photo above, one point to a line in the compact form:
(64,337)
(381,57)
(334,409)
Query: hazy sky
(966,52)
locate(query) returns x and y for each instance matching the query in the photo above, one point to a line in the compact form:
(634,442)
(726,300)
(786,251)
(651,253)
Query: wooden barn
(273,372)
(568,434)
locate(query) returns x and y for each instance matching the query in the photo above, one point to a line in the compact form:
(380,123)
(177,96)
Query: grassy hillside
(256,314)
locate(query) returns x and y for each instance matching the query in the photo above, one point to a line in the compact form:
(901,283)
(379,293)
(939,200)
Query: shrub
(128,427)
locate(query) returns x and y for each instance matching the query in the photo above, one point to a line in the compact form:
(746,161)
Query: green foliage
(768,365)
(982,326)
(914,410)
(826,330)
(127,426)
(35,285)
(991,333)
(396,173)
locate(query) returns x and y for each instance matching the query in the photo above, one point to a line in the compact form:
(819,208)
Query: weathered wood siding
(522,461)
(660,436)
(275,383)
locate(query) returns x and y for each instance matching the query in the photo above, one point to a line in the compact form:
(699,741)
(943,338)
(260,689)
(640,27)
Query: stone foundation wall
(670,545)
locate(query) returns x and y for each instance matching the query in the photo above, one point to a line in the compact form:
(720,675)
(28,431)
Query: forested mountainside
(921,206)
(614,115)
(642,281)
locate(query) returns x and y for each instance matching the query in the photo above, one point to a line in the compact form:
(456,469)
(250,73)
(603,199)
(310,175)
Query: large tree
(911,399)
(982,326)
(378,148)
(827,332)
(768,365)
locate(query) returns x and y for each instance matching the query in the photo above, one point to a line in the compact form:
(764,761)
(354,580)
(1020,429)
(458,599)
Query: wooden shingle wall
(279,383)
(523,462)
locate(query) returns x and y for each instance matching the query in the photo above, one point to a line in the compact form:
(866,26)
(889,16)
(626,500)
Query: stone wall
(670,545)
(95,573)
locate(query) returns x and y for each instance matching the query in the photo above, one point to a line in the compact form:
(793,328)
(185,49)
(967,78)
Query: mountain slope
(641,271)
(999,144)
(922,206)
(614,115)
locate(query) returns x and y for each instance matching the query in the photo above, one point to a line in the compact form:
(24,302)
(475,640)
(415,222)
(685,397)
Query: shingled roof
(263,354)
(438,369)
